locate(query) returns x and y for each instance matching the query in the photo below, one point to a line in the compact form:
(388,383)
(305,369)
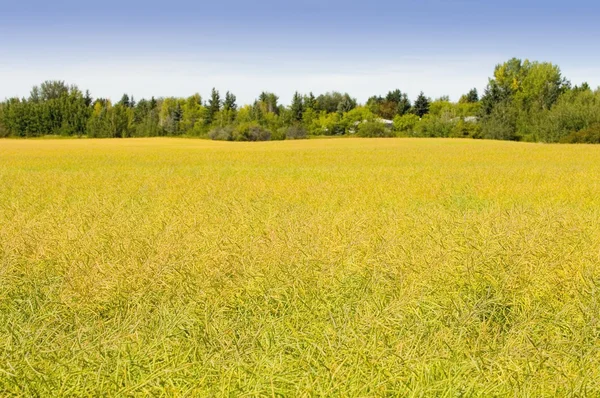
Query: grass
(356,267)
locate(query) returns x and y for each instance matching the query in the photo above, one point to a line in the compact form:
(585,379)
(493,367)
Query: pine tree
(403,106)
(310,101)
(394,96)
(88,98)
(421,106)
(470,98)
(230,102)
(297,107)
(124,101)
(214,106)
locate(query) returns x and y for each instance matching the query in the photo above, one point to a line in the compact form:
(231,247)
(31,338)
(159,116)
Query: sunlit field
(348,267)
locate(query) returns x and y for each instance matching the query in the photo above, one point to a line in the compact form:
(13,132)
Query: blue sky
(177,48)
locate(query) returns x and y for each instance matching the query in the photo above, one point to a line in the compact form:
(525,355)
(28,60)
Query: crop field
(343,267)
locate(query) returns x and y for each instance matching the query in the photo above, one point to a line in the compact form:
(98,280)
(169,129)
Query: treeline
(524,100)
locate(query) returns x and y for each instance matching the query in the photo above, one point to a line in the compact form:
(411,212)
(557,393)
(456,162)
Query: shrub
(221,133)
(573,112)
(295,132)
(373,129)
(326,124)
(464,129)
(434,126)
(251,132)
(405,124)
(590,135)
(279,134)
(501,124)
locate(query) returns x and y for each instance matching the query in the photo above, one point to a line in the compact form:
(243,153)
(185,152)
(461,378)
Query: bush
(464,129)
(251,132)
(591,135)
(405,124)
(501,124)
(326,124)
(295,133)
(279,134)
(373,129)
(573,112)
(434,126)
(221,133)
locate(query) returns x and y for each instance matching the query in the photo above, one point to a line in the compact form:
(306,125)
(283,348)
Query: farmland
(341,267)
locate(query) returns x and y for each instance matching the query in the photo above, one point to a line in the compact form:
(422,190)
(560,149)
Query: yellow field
(350,267)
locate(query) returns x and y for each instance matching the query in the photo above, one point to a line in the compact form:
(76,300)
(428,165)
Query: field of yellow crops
(348,267)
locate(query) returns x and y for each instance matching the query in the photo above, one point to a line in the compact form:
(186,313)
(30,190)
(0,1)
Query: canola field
(341,267)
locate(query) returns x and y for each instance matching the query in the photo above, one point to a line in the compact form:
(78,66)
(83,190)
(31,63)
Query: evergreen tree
(125,101)
(230,102)
(394,96)
(310,101)
(403,106)
(421,106)
(297,107)
(214,106)
(470,98)
(88,98)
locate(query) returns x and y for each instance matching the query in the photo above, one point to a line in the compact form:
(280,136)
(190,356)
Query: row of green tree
(523,100)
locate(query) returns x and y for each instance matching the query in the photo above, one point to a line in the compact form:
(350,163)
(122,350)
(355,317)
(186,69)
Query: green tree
(230,102)
(192,117)
(346,104)
(124,100)
(310,101)
(171,113)
(421,105)
(470,98)
(268,102)
(297,107)
(52,89)
(405,124)
(214,106)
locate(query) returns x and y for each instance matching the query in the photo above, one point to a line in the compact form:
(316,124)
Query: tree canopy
(523,100)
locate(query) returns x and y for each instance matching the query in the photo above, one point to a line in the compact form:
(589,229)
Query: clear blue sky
(181,47)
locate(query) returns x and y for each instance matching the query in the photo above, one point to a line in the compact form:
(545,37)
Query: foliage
(405,124)
(522,91)
(466,129)
(421,106)
(434,126)
(471,97)
(501,124)
(222,133)
(590,135)
(373,129)
(297,107)
(394,104)
(524,100)
(295,132)
(251,132)
(334,102)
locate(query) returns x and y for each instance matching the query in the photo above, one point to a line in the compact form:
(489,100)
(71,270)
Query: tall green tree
(310,101)
(214,106)
(269,102)
(230,102)
(421,105)
(297,107)
(470,98)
